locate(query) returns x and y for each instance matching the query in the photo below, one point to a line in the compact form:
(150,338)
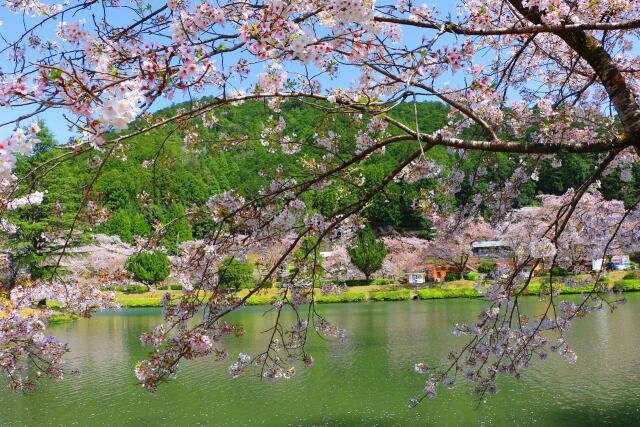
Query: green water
(365,380)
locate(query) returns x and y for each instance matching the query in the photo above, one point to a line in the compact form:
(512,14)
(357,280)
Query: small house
(416,278)
(596,264)
(436,273)
(620,262)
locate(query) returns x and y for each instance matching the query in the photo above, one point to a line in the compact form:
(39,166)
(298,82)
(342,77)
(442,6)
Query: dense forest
(161,178)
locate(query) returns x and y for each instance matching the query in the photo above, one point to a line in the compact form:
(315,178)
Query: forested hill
(138,195)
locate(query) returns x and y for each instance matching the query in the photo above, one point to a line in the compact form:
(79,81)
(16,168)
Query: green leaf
(55,74)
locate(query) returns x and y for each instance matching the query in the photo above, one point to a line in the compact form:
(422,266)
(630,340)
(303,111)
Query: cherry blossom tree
(584,238)
(452,247)
(528,79)
(405,255)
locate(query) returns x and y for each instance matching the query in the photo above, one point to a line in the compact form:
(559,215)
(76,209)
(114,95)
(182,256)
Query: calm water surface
(366,380)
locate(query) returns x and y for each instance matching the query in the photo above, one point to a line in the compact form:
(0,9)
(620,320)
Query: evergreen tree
(233,274)
(148,268)
(42,230)
(368,253)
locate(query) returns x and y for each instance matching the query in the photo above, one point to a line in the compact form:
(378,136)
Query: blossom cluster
(21,142)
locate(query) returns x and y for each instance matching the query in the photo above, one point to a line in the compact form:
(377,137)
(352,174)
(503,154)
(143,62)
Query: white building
(416,278)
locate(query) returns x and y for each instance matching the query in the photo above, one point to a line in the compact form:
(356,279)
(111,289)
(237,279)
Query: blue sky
(14,24)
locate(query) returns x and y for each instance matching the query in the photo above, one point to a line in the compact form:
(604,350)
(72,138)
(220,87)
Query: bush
(537,287)
(403,295)
(135,289)
(261,300)
(380,282)
(630,276)
(233,274)
(470,275)
(148,267)
(558,272)
(140,302)
(343,297)
(603,279)
(424,294)
(486,266)
(246,285)
(577,289)
(450,277)
(628,285)
(63,317)
(357,282)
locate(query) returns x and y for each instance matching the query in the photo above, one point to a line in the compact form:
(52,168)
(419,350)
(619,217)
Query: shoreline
(362,294)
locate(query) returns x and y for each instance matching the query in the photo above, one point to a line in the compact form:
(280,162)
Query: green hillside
(179,178)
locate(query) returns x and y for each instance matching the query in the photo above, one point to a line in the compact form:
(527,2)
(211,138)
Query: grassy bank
(447,293)
(353,294)
(147,299)
(61,317)
(455,289)
(56,317)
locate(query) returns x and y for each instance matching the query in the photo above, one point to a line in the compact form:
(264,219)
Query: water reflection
(365,380)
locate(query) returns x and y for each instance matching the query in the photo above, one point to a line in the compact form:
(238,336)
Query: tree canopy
(148,268)
(368,253)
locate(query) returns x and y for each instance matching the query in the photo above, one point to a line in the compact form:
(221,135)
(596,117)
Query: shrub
(403,295)
(140,302)
(450,277)
(628,285)
(267,285)
(630,276)
(486,266)
(357,282)
(175,287)
(380,282)
(558,271)
(532,288)
(245,285)
(577,289)
(470,275)
(148,267)
(232,274)
(135,289)
(261,300)
(63,317)
(343,297)
(424,294)
(603,279)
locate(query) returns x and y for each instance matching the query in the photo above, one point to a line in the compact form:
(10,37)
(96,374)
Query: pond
(365,380)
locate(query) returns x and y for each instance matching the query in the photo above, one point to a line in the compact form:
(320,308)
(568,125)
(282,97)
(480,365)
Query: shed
(416,278)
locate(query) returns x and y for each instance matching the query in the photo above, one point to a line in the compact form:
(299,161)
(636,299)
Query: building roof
(490,244)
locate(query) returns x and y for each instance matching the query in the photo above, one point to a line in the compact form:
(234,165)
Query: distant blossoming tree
(452,246)
(529,80)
